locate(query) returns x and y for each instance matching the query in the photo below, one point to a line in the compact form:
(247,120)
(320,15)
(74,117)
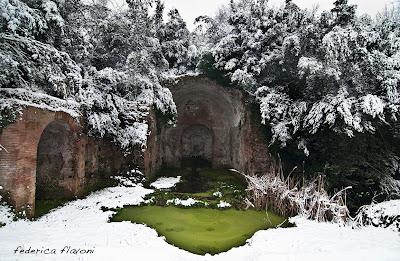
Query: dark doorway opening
(55,163)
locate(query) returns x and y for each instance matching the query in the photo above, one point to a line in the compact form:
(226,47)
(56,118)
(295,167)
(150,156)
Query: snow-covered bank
(166,182)
(6,216)
(385,214)
(82,224)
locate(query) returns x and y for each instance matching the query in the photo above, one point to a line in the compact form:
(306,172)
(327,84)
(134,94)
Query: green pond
(201,230)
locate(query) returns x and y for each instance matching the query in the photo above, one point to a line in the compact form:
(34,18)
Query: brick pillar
(18,163)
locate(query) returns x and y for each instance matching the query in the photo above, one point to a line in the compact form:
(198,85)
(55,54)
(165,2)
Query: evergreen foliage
(320,79)
(317,76)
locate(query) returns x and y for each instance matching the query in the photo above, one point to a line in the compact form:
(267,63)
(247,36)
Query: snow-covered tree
(315,75)
(344,13)
(175,42)
(116,81)
(129,64)
(209,31)
(310,75)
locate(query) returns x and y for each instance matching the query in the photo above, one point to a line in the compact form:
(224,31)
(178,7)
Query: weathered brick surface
(151,160)
(213,122)
(205,107)
(89,159)
(18,163)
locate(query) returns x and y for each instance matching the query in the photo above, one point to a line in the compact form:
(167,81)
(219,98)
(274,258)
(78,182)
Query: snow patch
(131,178)
(223,204)
(125,181)
(166,182)
(217,194)
(6,214)
(183,202)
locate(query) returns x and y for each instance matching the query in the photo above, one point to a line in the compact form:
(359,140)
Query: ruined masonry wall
(213,122)
(18,165)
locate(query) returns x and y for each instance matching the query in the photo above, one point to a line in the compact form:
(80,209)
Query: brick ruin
(48,155)
(215,123)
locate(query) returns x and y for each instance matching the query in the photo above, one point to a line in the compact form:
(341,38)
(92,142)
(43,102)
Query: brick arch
(226,111)
(18,163)
(203,103)
(238,138)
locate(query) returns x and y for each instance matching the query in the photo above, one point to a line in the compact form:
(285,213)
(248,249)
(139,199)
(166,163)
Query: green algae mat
(201,230)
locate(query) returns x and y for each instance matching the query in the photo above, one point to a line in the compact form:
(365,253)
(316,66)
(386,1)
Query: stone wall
(151,156)
(48,150)
(215,123)
(68,160)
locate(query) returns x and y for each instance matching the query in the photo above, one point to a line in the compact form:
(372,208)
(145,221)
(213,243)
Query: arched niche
(238,140)
(208,120)
(55,162)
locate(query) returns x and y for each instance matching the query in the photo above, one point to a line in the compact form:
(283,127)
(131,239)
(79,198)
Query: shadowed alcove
(207,125)
(55,162)
(216,128)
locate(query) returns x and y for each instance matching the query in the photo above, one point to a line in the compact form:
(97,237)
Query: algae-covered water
(201,230)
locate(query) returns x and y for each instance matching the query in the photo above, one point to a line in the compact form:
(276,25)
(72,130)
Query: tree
(159,13)
(175,42)
(332,75)
(116,83)
(344,13)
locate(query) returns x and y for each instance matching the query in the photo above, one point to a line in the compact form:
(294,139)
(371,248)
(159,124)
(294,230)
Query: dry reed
(287,197)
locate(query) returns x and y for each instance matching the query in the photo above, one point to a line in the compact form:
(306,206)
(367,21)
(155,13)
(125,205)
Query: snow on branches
(36,74)
(33,65)
(312,72)
(117,81)
(18,18)
(116,105)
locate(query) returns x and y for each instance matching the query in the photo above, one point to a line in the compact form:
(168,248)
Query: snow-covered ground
(166,182)
(385,214)
(82,224)
(6,215)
